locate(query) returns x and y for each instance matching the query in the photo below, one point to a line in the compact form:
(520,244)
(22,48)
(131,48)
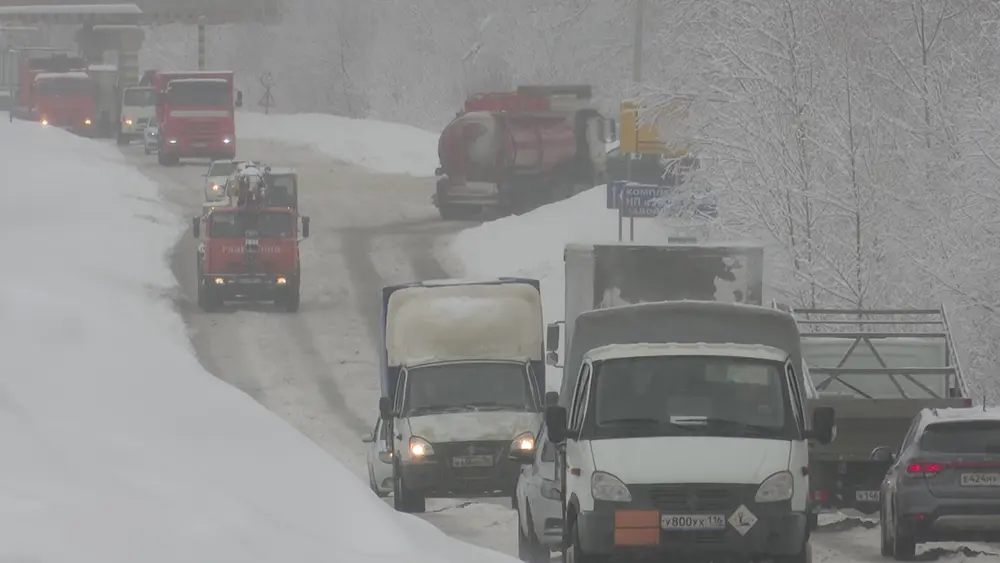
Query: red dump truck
(511,152)
(195,114)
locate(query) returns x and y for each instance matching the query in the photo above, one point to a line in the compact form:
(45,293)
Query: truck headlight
(215,187)
(172,141)
(226,141)
(524,442)
(45,121)
(776,488)
(86,122)
(605,486)
(420,448)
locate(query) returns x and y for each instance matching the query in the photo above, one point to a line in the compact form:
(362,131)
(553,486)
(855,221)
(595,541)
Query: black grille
(698,498)
(445,452)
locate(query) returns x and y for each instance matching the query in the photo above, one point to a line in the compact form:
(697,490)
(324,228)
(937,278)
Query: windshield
(281,189)
(139,97)
(467,386)
(972,437)
(232,224)
(690,396)
(202,93)
(223,168)
(63,86)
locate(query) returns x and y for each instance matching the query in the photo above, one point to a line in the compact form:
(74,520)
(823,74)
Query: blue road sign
(647,200)
(614,191)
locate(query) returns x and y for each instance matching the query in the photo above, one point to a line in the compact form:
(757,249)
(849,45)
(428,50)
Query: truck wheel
(904,548)
(208,300)
(803,556)
(290,300)
(574,554)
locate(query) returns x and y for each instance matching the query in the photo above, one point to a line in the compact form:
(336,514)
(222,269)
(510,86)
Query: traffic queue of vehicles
(692,420)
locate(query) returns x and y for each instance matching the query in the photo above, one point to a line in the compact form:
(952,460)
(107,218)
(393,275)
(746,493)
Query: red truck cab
(195,113)
(64,99)
(249,254)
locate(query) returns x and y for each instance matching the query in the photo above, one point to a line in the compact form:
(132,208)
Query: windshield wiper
(492,405)
(640,422)
(743,427)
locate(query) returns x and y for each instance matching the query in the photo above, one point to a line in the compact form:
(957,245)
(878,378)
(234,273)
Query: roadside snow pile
(531,245)
(380,146)
(117,445)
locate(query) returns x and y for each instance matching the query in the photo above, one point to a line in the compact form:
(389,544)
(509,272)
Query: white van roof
(647,350)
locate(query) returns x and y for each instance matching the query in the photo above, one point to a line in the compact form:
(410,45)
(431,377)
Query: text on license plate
(472,461)
(250,280)
(980,479)
(867,496)
(199,145)
(692,521)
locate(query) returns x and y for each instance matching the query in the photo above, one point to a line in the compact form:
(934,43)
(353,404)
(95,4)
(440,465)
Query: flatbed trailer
(877,368)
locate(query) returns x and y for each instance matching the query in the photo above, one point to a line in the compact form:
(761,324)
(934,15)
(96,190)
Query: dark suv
(945,483)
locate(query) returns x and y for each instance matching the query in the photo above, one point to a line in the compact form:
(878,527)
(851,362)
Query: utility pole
(637,42)
(201,42)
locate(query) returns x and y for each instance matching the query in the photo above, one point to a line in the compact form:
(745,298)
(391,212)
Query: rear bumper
(929,519)
(250,287)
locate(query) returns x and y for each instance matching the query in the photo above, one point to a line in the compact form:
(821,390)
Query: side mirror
(385,457)
(239,98)
(439,171)
(552,337)
(882,453)
(552,398)
(385,408)
(305,227)
(555,421)
(196,227)
(823,425)
(367,439)
(524,457)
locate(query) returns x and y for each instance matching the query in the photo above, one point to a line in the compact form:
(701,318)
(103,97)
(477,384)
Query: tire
(407,500)
(529,549)
(812,521)
(904,548)
(888,549)
(574,554)
(803,556)
(208,300)
(290,301)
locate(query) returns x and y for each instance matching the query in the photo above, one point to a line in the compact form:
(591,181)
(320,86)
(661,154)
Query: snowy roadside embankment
(380,146)
(118,446)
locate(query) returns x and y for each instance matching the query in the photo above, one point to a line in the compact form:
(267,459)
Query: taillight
(926,469)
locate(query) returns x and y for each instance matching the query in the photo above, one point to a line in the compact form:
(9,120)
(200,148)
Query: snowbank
(531,245)
(380,146)
(117,445)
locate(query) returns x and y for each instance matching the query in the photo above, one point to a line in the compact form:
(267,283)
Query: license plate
(980,480)
(250,280)
(868,496)
(472,461)
(685,522)
(199,145)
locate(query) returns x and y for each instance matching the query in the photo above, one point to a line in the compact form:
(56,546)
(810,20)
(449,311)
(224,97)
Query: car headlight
(226,141)
(215,187)
(605,486)
(420,448)
(524,442)
(776,488)
(86,122)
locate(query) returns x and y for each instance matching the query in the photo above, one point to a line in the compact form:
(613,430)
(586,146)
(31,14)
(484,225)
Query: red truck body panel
(193,124)
(66,106)
(65,99)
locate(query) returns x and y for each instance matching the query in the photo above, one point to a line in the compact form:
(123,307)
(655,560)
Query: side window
(911,435)
(795,392)
(584,399)
(578,397)
(400,389)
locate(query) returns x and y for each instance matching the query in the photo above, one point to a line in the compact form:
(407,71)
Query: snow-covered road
(318,369)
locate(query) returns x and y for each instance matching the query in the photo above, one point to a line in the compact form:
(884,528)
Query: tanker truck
(510,152)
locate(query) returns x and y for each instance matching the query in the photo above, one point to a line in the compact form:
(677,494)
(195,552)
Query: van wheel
(407,500)
(904,548)
(803,556)
(574,554)
(529,549)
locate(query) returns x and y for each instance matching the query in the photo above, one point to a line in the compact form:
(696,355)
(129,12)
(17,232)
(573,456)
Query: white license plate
(250,280)
(199,145)
(980,480)
(868,496)
(692,522)
(472,461)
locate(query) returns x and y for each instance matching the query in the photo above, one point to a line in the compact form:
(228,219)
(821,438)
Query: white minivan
(692,450)
(138,111)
